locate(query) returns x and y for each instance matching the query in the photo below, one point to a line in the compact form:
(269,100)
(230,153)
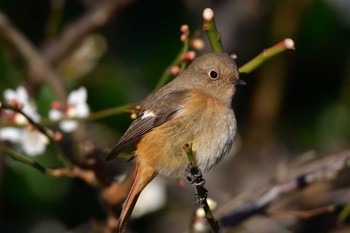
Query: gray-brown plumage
(193,108)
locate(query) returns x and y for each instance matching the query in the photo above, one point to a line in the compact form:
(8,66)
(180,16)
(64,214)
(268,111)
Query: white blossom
(10,134)
(32,142)
(77,107)
(20,95)
(68,125)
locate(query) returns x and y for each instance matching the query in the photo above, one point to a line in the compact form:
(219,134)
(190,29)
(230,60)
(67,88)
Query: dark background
(296,102)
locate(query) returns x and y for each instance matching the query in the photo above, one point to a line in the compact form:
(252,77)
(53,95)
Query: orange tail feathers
(143,175)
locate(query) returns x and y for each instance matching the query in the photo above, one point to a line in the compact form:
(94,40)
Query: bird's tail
(143,175)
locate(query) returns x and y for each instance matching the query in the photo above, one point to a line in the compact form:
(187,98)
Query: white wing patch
(147,114)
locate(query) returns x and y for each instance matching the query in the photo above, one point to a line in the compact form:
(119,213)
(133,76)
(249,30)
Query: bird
(194,108)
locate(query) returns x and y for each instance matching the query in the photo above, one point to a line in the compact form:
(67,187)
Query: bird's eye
(213,74)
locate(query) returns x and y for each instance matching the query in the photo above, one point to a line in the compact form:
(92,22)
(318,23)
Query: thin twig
(24,159)
(38,65)
(267,54)
(209,27)
(167,72)
(257,201)
(75,172)
(47,132)
(303,214)
(196,179)
(73,34)
(93,116)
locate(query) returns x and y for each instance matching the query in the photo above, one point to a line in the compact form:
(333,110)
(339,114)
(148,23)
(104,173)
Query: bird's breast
(203,121)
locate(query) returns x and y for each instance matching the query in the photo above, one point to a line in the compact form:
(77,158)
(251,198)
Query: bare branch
(257,201)
(37,65)
(74,33)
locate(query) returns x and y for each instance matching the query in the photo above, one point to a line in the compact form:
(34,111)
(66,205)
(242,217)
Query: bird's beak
(239,82)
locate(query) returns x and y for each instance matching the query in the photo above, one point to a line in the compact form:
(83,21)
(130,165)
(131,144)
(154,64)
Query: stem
(167,74)
(47,132)
(209,27)
(94,115)
(111,111)
(24,159)
(43,71)
(75,172)
(267,54)
(197,181)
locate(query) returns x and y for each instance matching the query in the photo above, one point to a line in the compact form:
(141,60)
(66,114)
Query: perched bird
(195,107)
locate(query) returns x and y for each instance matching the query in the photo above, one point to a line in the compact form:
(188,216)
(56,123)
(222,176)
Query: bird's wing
(157,110)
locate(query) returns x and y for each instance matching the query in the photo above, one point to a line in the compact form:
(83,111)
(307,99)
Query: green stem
(266,54)
(178,60)
(344,214)
(23,159)
(188,149)
(111,111)
(209,27)
(95,115)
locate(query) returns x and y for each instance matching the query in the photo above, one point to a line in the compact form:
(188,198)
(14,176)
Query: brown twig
(73,34)
(44,130)
(76,172)
(201,193)
(258,200)
(37,65)
(303,214)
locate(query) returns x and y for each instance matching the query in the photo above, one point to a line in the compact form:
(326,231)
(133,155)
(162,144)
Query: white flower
(76,108)
(10,134)
(20,95)
(55,114)
(31,141)
(68,125)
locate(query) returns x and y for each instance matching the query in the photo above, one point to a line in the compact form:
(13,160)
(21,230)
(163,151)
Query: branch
(46,121)
(24,159)
(86,175)
(47,132)
(167,72)
(267,54)
(214,38)
(303,214)
(74,33)
(37,64)
(209,27)
(75,172)
(196,179)
(257,201)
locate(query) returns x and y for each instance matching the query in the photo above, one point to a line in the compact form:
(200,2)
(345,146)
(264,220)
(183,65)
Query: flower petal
(68,125)
(33,142)
(10,134)
(55,114)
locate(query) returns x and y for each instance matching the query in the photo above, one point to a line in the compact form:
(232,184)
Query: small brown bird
(193,108)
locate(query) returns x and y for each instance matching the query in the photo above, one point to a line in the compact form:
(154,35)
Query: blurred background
(296,103)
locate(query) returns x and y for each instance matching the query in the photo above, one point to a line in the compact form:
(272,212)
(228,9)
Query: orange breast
(205,122)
